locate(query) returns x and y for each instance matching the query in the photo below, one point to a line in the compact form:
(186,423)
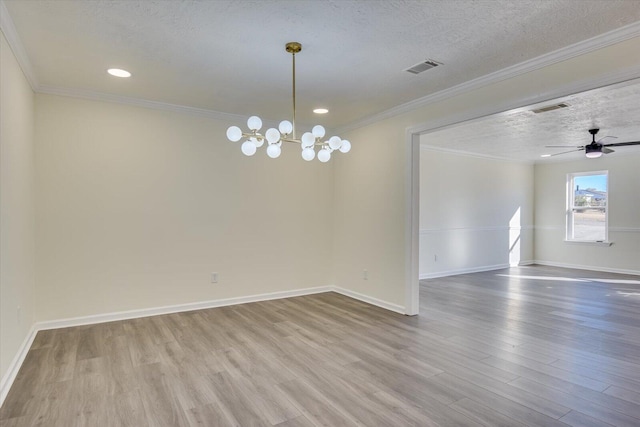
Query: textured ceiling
(229,56)
(523,134)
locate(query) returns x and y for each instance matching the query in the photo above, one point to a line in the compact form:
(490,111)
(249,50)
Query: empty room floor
(536,346)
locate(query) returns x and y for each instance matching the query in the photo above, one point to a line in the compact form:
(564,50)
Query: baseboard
(16,363)
(588,267)
(370,300)
(463,271)
(178,308)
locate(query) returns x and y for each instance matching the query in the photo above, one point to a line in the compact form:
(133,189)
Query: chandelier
(286,131)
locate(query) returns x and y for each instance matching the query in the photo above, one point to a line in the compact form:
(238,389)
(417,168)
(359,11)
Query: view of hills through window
(590,207)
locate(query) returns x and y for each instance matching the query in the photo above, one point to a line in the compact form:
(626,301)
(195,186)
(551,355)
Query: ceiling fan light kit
(596,148)
(286,131)
(593,152)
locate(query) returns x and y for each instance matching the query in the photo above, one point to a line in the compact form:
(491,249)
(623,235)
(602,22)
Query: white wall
(475,213)
(368,207)
(136,208)
(624,215)
(372,201)
(17,231)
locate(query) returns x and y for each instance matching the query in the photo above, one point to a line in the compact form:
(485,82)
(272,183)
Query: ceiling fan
(595,148)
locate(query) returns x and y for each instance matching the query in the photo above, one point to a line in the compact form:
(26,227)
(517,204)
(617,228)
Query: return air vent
(550,108)
(425,65)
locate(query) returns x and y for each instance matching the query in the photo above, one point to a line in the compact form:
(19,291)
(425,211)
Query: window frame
(570,206)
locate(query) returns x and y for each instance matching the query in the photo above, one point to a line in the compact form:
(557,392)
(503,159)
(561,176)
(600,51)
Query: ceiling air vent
(550,108)
(425,65)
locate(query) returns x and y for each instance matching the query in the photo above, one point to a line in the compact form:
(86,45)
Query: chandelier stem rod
(294,95)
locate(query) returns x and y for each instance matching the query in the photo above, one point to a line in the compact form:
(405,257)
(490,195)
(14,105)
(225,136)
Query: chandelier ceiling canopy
(286,131)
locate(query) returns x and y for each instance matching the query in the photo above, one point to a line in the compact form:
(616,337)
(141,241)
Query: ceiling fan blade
(605,137)
(565,152)
(606,150)
(621,144)
(565,146)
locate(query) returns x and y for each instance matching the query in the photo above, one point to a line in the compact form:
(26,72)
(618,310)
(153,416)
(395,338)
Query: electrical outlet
(365,275)
(214,277)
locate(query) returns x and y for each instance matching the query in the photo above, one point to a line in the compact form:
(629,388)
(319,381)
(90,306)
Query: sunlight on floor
(617,281)
(628,294)
(572,279)
(555,279)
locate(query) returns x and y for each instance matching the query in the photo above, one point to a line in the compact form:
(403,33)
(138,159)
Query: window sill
(589,242)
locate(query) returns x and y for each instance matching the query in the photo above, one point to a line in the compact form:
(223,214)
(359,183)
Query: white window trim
(589,242)
(569,210)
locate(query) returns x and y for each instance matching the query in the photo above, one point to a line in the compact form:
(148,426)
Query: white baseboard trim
(588,267)
(178,308)
(16,363)
(463,271)
(370,300)
(473,270)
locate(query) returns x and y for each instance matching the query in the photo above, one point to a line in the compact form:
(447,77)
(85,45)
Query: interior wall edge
(17,215)
(9,30)
(9,377)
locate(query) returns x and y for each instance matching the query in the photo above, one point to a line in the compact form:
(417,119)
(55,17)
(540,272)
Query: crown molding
(154,105)
(139,102)
(598,42)
(9,31)
(425,147)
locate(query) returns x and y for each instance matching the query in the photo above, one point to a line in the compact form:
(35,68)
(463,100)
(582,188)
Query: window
(587,206)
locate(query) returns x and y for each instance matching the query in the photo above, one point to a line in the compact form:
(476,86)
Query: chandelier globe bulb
(234,133)
(318,131)
(307,140)
(273,151)
(258,142)
(324,155)
(254,123)
(286,127)
(308,154)
(272,135)
(345,147)
(248,148)
(335,142)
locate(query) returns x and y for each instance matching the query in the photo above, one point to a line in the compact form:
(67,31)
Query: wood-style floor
(532,346)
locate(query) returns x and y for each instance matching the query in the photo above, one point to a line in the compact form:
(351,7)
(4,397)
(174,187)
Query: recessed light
(321,111)
(545,155)
(117,72)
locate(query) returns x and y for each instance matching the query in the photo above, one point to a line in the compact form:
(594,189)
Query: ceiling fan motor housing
(593,150)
